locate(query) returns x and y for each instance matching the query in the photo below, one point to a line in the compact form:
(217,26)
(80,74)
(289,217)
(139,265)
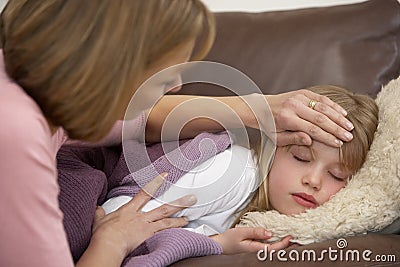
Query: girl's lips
(305,200)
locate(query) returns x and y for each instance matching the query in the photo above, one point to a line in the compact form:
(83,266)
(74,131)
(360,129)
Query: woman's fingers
(328,125)
(325,100)
(157,219)
(146,193)
(167,223)
(320,132)
(171,208)
(298,126)
(326,107)
(325,115)
(159,216)
(322,120)
(293,138)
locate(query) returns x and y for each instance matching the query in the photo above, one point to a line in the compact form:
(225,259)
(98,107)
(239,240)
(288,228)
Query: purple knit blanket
(87,175)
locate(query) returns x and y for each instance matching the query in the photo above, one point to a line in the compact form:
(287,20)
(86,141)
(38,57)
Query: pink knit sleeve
(31,223)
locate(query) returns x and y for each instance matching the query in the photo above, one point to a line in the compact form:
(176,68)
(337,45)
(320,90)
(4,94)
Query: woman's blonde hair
(362,112)
(82,60)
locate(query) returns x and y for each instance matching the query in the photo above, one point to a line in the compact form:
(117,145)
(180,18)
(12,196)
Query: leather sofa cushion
(354,46)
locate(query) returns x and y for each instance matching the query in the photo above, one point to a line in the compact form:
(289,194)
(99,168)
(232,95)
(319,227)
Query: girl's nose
(313,179)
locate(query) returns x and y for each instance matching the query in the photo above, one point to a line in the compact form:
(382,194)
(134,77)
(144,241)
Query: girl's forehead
(319,148)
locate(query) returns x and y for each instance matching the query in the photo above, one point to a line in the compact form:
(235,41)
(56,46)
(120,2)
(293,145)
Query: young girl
(300,177)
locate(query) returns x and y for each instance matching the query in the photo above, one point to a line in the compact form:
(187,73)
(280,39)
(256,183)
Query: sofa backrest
(355,46)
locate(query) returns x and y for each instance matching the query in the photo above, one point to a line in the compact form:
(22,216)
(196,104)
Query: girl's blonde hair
(362,112)
(82,60)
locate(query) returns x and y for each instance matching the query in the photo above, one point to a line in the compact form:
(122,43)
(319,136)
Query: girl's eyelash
(333,176)
(337,178)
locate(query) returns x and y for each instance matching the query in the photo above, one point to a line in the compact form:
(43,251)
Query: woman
(69,68)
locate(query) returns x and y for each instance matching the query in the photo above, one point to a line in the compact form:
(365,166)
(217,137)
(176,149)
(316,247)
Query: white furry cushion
(370,201)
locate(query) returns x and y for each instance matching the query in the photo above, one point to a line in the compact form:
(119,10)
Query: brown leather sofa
(356,46)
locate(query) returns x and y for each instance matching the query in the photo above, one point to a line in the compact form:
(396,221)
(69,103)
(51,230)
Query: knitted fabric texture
(85,175)
(176,162)
(168,246)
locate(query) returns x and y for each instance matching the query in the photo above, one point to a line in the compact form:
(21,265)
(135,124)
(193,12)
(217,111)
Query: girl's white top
(224,185)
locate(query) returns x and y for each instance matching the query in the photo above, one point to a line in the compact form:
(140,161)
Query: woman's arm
(32,231)
(290,111)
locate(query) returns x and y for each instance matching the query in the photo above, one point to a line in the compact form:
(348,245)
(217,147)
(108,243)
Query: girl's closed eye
(338,178)
(301,154)
(298,158)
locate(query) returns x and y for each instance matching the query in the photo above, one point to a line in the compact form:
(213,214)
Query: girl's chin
(290,212)
(284,209)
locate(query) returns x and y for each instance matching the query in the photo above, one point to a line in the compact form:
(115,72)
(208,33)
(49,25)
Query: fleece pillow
(370,201)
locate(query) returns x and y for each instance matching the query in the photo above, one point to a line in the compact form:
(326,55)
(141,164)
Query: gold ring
(312,103)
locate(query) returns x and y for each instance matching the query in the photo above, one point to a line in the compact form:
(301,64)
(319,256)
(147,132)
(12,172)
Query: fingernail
(186,218)
(348,136)
(267,233)
(304,141)
(338,142)
(349,126)
(189,200)
(344,112)
(164,175)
